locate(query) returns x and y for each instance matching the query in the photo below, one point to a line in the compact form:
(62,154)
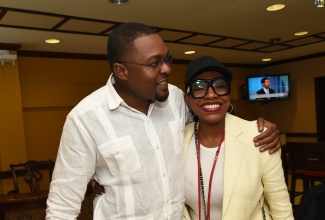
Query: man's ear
(120,71)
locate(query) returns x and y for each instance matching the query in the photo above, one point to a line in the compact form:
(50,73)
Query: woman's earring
(231,108)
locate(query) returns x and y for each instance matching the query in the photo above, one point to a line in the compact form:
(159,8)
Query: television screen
(268,87)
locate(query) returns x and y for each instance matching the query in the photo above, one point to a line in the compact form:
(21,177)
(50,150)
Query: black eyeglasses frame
(168,60)
(209,82)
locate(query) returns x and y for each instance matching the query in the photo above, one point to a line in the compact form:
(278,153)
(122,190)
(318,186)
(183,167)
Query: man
(266,87)
(128,135)
(266,90)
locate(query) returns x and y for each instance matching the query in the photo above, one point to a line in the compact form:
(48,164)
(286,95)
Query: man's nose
(165,68)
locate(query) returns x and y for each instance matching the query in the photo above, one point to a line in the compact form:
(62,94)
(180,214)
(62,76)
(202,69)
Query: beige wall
(50,87)
(38,94)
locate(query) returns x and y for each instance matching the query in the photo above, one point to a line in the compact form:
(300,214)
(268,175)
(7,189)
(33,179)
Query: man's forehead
(150,44)
(148,39)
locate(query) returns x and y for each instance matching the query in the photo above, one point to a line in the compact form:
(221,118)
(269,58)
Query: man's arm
(270,138)
(74,166)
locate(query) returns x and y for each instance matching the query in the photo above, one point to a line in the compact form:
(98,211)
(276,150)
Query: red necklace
(200,175)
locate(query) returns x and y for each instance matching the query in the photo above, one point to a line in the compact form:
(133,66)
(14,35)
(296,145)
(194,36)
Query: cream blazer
(251,179)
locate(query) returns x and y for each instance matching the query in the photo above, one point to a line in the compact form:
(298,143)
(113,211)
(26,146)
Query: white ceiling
(234,31)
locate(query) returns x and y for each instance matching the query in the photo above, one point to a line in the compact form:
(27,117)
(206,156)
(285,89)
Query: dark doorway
(320,107)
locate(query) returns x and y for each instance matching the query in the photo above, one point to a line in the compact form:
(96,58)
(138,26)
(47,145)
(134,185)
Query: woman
(226,176)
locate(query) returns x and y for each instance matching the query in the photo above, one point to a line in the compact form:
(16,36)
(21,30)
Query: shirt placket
(154,138)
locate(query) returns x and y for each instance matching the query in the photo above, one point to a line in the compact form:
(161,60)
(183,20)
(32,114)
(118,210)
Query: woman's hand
(97,188)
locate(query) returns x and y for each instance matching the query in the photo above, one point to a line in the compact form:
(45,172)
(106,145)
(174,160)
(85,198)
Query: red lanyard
(200,175)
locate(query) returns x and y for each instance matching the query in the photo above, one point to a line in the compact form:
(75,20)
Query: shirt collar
(115,100)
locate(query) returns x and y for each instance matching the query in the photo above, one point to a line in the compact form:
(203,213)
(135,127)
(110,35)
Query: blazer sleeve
(275,189)
(269,171)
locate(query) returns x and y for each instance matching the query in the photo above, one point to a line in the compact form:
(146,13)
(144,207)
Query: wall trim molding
(301,134)
(47,54)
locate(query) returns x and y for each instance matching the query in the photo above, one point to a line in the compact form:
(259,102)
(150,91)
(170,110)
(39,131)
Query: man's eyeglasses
(156,65)
(199,88)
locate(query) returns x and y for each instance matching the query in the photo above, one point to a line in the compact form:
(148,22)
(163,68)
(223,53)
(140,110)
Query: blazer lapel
(234,154)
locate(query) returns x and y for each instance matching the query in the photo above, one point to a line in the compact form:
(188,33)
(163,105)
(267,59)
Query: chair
(31,172)
(23,206)
(312,204)
(307,162)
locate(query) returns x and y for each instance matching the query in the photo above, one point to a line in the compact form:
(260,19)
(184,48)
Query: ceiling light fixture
(319,3)
(52,41)
(276,7)
(300,33)
(119,2)
(189,52)
(266,59)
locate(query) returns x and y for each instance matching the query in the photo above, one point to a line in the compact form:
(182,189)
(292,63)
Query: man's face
(266,84)
(148,82)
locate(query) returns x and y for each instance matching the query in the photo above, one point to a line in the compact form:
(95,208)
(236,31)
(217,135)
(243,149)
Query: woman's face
(211,108)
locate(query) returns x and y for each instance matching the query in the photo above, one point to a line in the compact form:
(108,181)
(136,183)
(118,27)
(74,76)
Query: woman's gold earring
(231,109)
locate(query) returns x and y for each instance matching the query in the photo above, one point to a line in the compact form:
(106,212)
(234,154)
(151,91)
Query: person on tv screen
(266,90)
(266,87)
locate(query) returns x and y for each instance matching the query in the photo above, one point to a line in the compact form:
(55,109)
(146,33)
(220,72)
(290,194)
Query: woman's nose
(211,93)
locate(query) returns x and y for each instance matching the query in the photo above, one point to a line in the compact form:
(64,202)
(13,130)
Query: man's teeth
(162,83)
(212,106)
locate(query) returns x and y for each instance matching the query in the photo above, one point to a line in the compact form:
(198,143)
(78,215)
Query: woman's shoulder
(238,124)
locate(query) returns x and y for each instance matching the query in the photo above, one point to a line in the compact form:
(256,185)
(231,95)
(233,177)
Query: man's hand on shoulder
(270,138)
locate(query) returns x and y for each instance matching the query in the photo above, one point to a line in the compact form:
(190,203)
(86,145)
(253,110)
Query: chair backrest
(307,156)
(31,172)
(312,204)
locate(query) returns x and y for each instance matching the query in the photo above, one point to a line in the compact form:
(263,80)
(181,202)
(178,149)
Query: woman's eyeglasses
(156,65)
(199,88)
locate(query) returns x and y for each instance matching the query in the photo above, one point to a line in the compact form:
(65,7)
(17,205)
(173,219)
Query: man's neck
(132,101)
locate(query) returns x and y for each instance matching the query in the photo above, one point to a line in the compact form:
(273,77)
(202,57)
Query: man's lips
(162,82)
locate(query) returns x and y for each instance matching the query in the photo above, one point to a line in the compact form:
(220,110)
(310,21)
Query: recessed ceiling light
(266,59)
(119,2)
(300,33)
(52,41)
(276,7)
(189,52)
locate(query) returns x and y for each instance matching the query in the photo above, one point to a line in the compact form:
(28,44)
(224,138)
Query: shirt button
(164,174)
(157,147)
(117,152)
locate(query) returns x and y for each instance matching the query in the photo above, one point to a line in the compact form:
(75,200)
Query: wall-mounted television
(268,87)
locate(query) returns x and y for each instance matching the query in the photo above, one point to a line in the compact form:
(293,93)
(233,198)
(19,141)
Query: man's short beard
(161,98)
